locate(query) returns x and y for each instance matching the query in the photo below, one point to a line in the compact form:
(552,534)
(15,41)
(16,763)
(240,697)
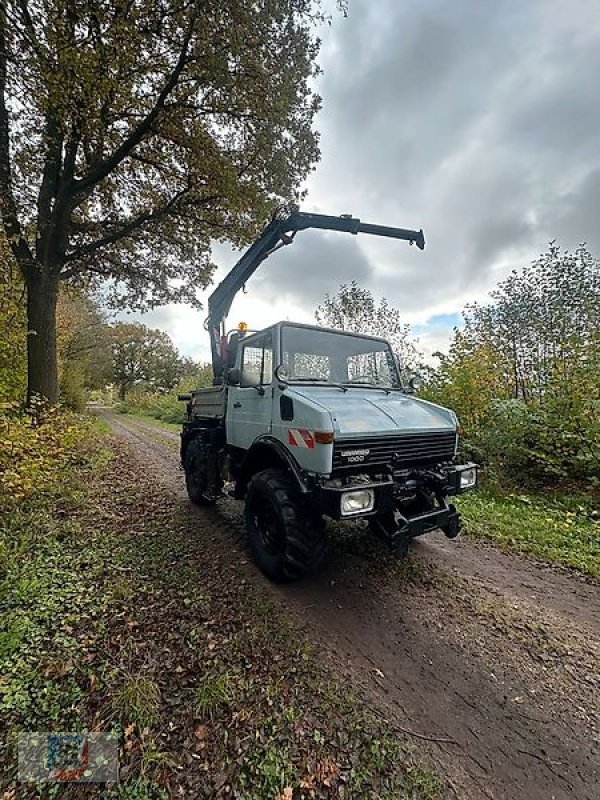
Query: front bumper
(388,495)
(446,518)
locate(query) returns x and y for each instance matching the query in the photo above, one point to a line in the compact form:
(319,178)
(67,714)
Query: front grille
(413,449)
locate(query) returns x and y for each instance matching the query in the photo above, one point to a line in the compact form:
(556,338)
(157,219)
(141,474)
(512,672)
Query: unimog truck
(305,422)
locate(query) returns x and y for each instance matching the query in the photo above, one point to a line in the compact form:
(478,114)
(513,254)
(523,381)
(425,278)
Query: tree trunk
(42,365)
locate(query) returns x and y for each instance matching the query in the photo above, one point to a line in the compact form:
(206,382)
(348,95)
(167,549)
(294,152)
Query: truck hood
(369,412)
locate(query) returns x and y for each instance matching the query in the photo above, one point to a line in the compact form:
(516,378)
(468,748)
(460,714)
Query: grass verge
(121,612)
(166,409)
(562,530)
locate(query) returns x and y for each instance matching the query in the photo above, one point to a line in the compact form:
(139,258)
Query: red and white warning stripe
(301,437)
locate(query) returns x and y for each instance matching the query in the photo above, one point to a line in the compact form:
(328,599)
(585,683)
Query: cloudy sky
(477,121)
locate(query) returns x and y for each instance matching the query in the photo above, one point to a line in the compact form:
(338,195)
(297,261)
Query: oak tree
(144,356)
(134,132)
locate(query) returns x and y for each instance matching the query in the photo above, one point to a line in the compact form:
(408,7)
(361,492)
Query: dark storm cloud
(478,121)
(577,213)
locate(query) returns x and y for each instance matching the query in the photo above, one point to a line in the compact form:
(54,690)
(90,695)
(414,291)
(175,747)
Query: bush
(72,388)
(534,444)
(164,406)
(38,446)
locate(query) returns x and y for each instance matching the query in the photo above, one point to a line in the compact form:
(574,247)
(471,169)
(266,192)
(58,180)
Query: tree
(145,356)
(468,380)
(543,321)
(194,374)
(133,133)
(355,309)
(524,372)
(84,346)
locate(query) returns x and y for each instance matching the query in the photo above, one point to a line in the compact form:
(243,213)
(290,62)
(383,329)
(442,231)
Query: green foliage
(137,700)
(524,373)
(84,347)
(355,309)
(138,789)
(37,449)
(165,406)
(13,329)
(265,772)
(41,607)
(143,357)
(561,529)
(213,693)
(468,381)
(72,386)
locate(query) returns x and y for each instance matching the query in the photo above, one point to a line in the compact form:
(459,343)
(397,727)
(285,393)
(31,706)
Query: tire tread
(305,543)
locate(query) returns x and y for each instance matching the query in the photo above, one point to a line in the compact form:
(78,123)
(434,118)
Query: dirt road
(490,661)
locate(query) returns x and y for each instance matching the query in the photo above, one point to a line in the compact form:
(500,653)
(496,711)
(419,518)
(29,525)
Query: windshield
(310,354)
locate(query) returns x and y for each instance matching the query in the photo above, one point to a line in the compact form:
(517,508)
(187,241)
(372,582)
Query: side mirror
(414,384)
(281,373)
(234,376)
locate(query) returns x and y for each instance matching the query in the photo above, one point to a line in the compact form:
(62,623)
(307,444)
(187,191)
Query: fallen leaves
(201,732)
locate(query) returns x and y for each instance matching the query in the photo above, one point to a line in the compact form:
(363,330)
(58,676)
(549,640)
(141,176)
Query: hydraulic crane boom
(280,231)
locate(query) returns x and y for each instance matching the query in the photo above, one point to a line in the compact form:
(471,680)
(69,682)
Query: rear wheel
(201,490)
(285,539)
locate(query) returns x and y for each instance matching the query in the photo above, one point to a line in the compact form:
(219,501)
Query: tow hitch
(397,530)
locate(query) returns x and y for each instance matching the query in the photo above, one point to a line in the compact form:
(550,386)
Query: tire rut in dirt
(407,653)
(558,590)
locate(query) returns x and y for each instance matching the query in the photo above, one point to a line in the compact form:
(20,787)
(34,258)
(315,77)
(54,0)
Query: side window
(257,362)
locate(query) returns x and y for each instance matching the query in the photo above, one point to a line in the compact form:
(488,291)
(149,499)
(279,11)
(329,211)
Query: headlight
(468,478)
(357,502)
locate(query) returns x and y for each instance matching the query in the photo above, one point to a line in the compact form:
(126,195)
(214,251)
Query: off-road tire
(286,538)
(195,466)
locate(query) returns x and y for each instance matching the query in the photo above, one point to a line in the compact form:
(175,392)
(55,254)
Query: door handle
(237,404)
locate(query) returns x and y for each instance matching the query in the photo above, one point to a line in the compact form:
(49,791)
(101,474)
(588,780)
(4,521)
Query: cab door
(250,405)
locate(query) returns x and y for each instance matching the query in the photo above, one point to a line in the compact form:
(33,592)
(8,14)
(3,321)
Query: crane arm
(280,231)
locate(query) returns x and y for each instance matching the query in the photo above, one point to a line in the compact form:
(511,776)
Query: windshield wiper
(365,385)
(322,381)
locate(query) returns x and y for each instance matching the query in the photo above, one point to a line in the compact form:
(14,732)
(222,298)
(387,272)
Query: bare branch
(100,171)
(122,230)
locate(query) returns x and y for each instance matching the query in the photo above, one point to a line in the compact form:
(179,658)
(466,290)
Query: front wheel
(286,542)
